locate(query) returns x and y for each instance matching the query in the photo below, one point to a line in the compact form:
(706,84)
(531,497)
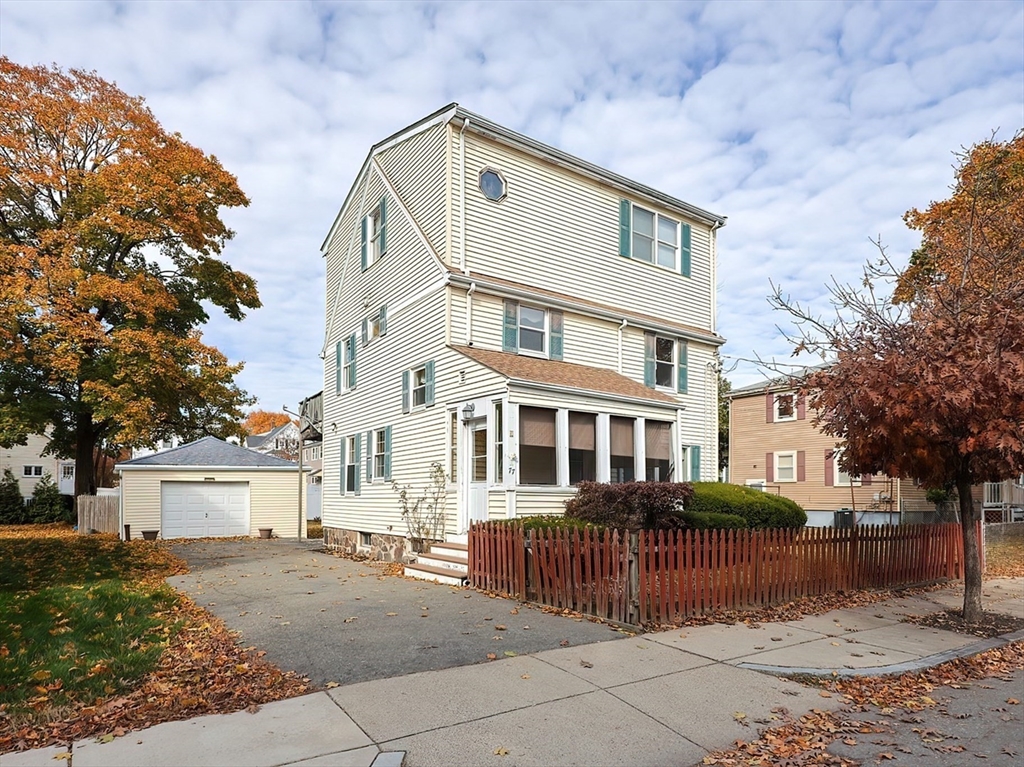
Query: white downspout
(469,313)
(462,195)
(622,327)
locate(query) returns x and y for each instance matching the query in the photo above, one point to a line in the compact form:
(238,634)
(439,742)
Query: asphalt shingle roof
(210,451)
(568,374)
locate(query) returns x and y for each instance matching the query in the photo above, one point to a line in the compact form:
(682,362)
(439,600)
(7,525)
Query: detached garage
(210,488)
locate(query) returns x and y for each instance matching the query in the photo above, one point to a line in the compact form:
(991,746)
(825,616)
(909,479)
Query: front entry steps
(446,563)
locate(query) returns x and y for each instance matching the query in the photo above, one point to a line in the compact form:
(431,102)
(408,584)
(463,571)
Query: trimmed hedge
(12,505)
(758,508)
(630,505)
(549,521)
(708,520)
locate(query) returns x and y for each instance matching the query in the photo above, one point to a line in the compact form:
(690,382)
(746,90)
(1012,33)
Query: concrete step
(459,550)
(438,574)
(459,564)
(457,538)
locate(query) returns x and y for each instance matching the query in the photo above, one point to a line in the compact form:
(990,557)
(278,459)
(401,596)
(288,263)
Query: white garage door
(204,509)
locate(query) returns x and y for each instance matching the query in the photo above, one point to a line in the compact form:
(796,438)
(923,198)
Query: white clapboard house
(516,315)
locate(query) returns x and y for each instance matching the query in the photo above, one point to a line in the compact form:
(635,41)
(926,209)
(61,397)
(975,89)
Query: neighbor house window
(374,234)
(658,443)
(419,386)
(785,466)
(843,478)
(375,325)
(623,467)
(537,460)
(33,471)
(664,362)
(582,448)
(349,373)
(492,184)
(499,443)
(785,407)
(350,464)
(532,329)
(379,451)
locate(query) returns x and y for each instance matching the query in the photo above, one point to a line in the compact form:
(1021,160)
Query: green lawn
(82,618)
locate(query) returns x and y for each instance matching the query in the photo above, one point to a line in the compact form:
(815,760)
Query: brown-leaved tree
(928,382)
(109,237)
(262,421)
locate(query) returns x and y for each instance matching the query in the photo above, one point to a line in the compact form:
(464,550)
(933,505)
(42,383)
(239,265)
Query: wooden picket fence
(655,577)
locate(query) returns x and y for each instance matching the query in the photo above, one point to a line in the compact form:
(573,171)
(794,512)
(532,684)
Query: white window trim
(674,381)
(350,460)
(372,327)
(412,388)
(347,363)
(373,230)
(851,481)
(32,470)
(378,435)
(657,216)
(543,354)
(775,405)
(791,453)
(452,442)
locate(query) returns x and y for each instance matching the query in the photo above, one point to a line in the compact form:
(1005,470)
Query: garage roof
(209,452)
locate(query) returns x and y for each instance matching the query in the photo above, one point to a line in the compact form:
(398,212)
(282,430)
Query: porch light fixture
(468,411)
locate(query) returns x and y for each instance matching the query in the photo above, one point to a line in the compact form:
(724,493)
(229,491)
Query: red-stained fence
(652,577)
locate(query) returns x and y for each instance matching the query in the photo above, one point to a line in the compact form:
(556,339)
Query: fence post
(633,580)
(855,556)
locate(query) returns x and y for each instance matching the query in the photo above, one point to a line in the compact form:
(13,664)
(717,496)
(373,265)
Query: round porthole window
(492,184)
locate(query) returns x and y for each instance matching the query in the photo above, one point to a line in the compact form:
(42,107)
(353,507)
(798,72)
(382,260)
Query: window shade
(582,431)
(658,440)
(622,435)
(537,426)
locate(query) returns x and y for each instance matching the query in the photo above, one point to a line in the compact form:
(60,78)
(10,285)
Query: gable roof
(463,118)
(257,440)
(779,383)
(521,368)
(209,452)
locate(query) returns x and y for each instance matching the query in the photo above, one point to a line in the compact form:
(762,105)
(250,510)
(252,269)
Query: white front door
(204,509)
(66,483)
(476,476)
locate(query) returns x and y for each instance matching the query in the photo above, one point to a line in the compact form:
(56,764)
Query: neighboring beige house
(28,464)
(282,441)
(773,445)
(210,488)
(519,317)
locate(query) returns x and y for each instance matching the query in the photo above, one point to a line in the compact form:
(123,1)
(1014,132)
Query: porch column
(604,448)
(562,447)
(640,449)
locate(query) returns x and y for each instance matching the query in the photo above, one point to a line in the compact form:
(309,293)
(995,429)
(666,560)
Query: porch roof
(563,374)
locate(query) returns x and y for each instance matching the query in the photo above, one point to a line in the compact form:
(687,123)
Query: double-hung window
(843,478)
(499,443)
(418,387)
(375,325)
(785,407)
(33,471)
(350,463)
(374,234)
(785,466)
(532,330)
(349,369)
(666,363)
(655,238)
(379,451)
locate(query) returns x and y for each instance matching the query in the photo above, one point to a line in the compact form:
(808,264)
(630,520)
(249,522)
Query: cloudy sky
(812,126)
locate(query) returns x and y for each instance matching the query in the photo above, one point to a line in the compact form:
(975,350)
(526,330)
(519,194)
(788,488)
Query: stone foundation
(385,548)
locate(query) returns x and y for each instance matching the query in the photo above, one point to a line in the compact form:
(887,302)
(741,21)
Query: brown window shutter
(769,407)
(769,467)
(865,479)
(801,466)
(830,468)
(801,407)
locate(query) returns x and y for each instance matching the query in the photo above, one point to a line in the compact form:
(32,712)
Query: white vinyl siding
(549,207)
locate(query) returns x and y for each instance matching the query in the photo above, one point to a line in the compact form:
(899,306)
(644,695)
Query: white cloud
(812,126)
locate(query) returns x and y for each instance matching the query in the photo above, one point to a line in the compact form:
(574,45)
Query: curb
(895,668)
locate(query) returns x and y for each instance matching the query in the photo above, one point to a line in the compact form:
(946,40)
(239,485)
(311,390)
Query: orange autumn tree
(262,421)
(110,233)
(928,381)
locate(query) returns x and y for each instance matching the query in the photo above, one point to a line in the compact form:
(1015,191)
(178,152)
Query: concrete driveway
(335,620)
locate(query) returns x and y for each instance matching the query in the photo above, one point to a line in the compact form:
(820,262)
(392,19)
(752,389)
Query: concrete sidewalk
(663,698)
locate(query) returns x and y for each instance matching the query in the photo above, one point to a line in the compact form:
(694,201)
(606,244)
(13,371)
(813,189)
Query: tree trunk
(972,552)
(85,446)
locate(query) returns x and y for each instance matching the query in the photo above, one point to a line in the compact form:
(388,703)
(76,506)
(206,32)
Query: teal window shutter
(555,322)
(356,460)
(352,354)
(366,331)
(683,368)
(383,225)
(695,463)
(684,251)
(387,453)
(337,368)
(649,361)
(625,235)
(369,456)
(343,472)
(406,401)
(510,332)
(363,247)
(429,394)
(382,319)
